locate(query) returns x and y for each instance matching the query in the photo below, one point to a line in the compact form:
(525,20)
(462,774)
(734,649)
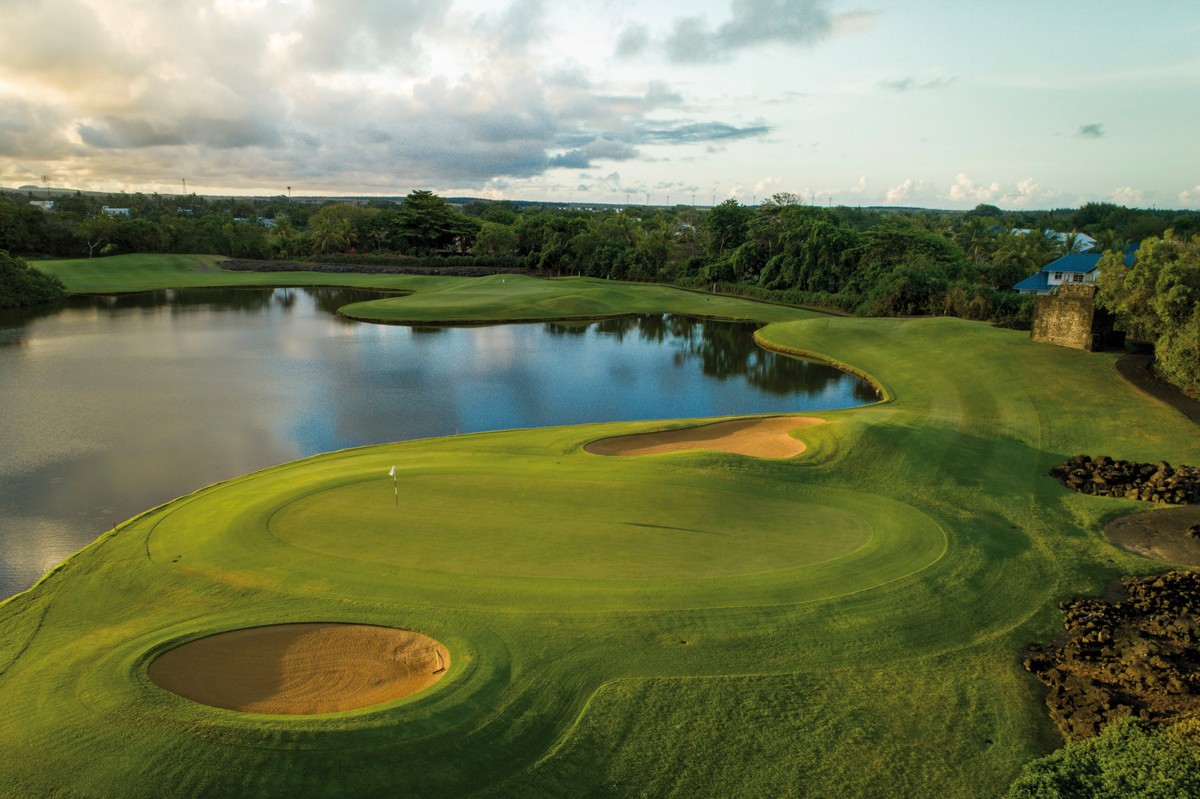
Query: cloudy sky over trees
(909,102)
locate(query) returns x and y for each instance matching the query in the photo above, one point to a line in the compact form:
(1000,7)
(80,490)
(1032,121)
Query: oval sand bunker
(760,438)
(302,669)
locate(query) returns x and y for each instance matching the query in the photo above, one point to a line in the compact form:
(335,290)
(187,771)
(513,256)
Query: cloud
(752,23)
(768,185)
(912,84)
(1190,195)
(322,93)
(696,132)
(1027,193)
(359,34)
(898,194)
(859,187)
(633,41)
(1127,195)
(1094,130)
(515,28)
(966,189)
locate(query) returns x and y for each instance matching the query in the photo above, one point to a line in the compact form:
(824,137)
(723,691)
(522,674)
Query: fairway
(846,621)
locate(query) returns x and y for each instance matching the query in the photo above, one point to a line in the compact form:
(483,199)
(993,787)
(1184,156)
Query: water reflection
(725,350)
(116,404)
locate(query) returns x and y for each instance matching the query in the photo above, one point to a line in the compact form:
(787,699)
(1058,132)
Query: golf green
(574,529)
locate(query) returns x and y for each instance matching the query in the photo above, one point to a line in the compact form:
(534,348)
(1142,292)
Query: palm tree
(329,234)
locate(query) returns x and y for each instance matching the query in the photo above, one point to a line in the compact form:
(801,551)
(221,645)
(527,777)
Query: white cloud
(898,194)
(859,187)
(1190,195)
(1027,193)
(1127,195)
(767,186)
(966,189)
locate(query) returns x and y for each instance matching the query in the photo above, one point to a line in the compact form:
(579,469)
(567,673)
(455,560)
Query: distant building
(110,211)
(45,205)
(1082,241)
(1078,268)
(1075,268)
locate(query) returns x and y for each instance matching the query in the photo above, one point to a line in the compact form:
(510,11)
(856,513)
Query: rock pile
(1137,657)
(1150,482)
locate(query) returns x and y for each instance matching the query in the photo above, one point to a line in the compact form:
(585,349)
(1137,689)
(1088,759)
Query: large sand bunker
(302,669)
(761,438)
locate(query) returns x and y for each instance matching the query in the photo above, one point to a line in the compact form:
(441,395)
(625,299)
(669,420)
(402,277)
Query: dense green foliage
(21,285)
(1157,299)
(1129,759)
(864,261)
(599,646)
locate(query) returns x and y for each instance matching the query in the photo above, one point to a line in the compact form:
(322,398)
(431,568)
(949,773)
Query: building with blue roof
(1077,268)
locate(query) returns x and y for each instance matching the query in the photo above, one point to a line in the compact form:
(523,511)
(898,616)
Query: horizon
(520,201)
(912,105)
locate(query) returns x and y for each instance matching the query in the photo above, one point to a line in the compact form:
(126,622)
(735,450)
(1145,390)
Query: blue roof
(1038,282)
(1075,262)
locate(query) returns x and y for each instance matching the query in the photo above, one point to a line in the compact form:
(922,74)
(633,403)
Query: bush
(22,286)
(1130,758)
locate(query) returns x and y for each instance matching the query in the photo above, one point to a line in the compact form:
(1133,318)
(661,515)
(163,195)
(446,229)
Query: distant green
(845,623)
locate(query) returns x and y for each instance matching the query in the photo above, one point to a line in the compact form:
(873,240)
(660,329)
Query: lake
(115,404)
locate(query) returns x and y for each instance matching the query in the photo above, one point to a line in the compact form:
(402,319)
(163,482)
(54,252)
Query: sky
(928,103)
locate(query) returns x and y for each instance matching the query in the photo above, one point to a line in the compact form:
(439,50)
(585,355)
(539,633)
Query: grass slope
(853,628)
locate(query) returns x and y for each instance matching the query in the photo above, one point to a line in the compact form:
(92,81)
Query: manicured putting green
(580,529)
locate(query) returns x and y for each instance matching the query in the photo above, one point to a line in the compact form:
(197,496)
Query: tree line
(865,261)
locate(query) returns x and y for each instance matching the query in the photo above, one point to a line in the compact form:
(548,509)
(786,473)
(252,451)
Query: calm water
(116,404)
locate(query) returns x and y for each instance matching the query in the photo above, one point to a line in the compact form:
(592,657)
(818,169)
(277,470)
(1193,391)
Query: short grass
(845,623)
(126,273)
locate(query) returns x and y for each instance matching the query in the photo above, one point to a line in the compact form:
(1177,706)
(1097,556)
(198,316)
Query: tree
(495,239)
(727,226)
(1023,253)
(427,224)
(329,234)
(21,285)
(1158,299)
(94,232)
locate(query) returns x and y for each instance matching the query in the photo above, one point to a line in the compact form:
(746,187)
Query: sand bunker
(761,438)
(1159,534)
(302,669)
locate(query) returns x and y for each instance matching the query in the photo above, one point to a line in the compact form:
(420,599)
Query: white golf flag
(392,473)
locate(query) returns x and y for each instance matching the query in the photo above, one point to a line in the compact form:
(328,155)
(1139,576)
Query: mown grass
(137,272)
(648,668)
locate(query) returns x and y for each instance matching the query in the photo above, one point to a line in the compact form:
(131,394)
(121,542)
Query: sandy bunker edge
(302,668)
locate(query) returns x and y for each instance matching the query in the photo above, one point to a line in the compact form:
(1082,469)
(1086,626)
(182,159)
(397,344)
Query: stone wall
(1065,317)
(1069,318)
